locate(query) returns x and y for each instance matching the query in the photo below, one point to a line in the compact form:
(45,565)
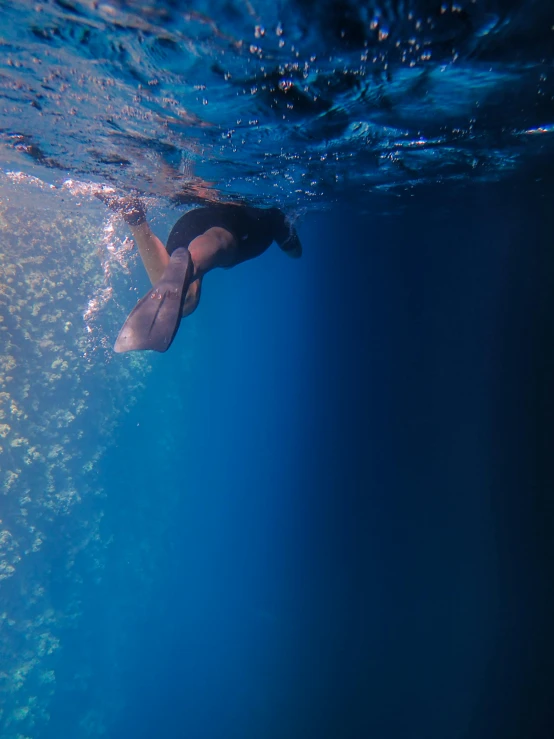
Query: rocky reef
(60,400)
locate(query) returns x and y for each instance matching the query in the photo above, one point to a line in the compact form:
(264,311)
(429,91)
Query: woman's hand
(130,208)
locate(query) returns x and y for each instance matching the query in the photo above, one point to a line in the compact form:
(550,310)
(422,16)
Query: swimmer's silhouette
(213,235)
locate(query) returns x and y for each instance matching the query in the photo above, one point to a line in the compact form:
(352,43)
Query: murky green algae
(60,399)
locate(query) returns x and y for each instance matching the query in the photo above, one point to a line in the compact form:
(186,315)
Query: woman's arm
(152,251)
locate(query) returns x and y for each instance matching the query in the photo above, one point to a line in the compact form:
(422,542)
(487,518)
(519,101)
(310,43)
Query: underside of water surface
(302,104)
(295,102)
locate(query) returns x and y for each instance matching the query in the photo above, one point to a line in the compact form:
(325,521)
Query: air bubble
(285,84)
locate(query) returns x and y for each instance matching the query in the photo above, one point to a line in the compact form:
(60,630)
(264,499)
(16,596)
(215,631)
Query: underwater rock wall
(60,399)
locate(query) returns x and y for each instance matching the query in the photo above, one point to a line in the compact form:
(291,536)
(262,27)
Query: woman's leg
(217,247)
(214,248)
(192,298)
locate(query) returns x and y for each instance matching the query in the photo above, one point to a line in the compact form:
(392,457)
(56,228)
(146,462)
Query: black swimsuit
(253,228)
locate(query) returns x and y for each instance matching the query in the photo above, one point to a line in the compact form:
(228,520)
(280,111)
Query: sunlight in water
(294,104)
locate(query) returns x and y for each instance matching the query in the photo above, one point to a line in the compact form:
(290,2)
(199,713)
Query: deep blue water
(326,512)
(359,472)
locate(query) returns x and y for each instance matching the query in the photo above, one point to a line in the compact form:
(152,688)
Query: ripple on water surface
(291,101)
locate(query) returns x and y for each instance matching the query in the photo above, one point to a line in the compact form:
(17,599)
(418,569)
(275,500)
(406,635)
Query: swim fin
(153,322)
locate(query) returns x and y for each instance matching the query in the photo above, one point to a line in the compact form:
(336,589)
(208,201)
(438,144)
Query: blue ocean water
(326,512)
